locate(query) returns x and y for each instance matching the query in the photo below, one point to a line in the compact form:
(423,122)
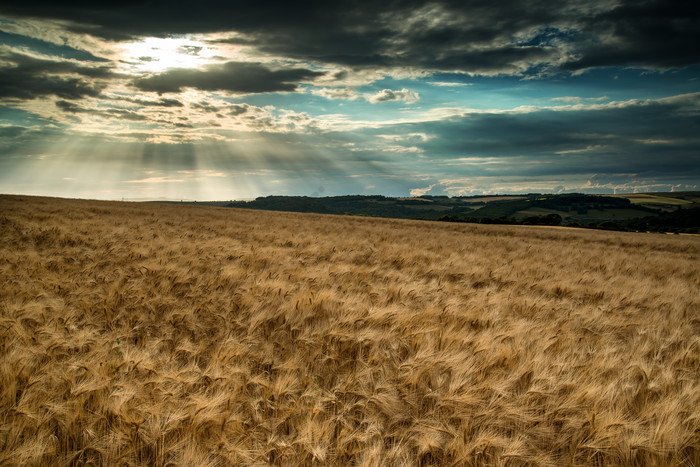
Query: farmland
(151,334)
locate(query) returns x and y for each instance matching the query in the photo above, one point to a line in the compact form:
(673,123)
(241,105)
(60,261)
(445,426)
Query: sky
(218,100)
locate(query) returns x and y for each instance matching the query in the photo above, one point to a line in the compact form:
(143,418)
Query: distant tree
(549,219)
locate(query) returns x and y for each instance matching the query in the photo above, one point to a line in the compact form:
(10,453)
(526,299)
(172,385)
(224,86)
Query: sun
(157,54)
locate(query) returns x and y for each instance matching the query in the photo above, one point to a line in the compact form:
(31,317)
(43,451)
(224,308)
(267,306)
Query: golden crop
(147,334)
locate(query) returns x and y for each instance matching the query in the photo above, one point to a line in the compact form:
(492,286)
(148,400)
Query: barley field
(151,334)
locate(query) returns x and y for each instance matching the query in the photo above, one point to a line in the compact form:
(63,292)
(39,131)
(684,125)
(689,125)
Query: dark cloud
(230,109)
(118,20)
(48,48)
(27,138)
(25,77)
(25,64)
(70,107)
(159,103)
(205,106)
(27,86)
(238,77)
(639,137)
(463,36)
(11,131)
(471,35)
(238,109)
(119,114)
(659,33)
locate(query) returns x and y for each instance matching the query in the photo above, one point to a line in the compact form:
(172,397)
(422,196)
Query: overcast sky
(209,100)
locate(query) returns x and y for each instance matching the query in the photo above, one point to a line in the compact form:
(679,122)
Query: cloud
(55,87)
(157,103)
(448,84)
(120,114)
(589,183)
(236,77)
(238,109)
(540,150)
(156,180)
(221,108)
(336,93)
(205,106)
(422,191)
(512,36)
(655,34)
(25,77)
(578,99)
(387,95)
(47,48)
(577,140)
(11,131)
(407,137)
(203,173)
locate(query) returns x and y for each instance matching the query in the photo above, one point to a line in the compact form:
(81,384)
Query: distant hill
(672,212)
(358,205)
(422,207)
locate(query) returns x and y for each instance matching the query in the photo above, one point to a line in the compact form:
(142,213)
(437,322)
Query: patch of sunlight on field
(654,199)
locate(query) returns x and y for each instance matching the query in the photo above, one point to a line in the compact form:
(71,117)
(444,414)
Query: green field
(615,214)
(665,199)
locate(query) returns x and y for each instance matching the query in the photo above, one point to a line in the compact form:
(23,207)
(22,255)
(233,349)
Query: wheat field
(150,334)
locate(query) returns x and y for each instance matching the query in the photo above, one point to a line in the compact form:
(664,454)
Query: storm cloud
(661,34)
(641,137)
(120,114)
(25,77)
(236,77)
(470,36)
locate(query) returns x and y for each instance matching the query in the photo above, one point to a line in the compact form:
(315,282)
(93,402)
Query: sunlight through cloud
(154,54)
